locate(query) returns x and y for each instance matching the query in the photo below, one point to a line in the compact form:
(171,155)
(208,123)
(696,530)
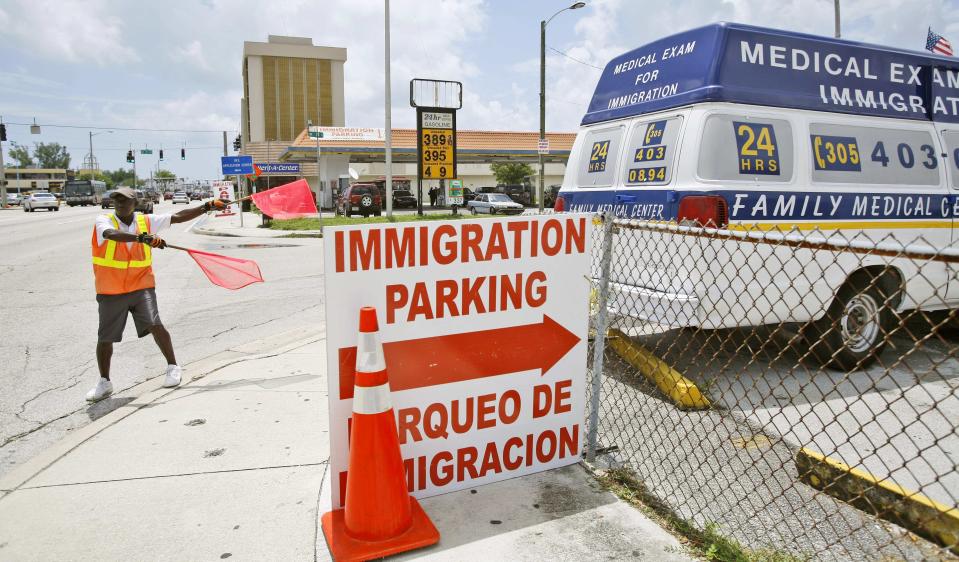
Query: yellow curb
(683,392)
(882,498)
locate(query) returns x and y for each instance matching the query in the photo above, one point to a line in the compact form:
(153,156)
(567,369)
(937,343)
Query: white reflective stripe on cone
(371,399)
(369,353)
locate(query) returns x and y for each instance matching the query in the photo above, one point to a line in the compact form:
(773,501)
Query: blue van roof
(747,64)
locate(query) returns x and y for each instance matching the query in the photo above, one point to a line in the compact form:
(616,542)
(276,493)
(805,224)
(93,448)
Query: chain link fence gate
(793,390)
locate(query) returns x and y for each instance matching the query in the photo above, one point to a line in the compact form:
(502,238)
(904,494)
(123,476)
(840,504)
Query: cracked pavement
(48,318)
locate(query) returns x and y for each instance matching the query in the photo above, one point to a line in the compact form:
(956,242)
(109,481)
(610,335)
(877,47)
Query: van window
(872,155)
(649,154)
(736,147)
(951,139)
(598,157)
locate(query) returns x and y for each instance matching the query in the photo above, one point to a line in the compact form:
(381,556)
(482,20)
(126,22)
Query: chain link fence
(795,390)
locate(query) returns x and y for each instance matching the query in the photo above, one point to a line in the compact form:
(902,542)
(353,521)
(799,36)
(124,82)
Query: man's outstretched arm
(193,212)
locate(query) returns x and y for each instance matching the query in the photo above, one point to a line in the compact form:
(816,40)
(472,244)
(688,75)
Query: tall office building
(286,82)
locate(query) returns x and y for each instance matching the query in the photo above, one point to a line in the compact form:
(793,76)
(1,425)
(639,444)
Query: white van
(741,128)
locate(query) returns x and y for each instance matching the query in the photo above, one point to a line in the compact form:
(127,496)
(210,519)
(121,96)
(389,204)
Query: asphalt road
(48,316)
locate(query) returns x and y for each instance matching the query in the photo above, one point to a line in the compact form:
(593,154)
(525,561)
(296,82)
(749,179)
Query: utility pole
(388,147)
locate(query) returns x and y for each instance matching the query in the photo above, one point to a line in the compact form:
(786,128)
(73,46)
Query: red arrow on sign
(471,355)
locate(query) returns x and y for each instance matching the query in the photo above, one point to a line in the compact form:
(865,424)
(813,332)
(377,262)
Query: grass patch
(315,224)
(708,543)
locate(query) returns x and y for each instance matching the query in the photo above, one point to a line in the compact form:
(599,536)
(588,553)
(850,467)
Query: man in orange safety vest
(123,243)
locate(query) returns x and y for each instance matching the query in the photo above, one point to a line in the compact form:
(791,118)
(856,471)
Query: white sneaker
(173,373)
(103,389)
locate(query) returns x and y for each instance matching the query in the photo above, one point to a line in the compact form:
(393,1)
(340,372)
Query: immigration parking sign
(484,326)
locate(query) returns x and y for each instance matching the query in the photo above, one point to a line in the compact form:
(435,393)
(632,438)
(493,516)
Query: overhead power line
(574,59)
(124,128)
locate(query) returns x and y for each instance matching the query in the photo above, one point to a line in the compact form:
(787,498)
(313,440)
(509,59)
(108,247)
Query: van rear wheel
(853,332)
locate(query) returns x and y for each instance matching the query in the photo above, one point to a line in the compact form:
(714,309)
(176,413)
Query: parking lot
(735,463)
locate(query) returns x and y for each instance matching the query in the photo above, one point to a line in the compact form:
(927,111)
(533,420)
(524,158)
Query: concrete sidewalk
(233,464)
(213,225)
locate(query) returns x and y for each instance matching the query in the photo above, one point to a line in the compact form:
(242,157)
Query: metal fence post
(599,342)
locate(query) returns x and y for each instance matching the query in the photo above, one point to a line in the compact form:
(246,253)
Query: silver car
(494,203)
(41,200)
(181,197)
(14,199)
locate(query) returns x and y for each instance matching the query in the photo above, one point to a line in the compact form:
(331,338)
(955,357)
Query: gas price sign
(437,144)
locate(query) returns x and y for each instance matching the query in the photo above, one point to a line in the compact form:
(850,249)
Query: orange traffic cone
(380,517)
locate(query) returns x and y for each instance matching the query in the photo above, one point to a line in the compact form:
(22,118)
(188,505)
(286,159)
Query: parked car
(519,193)
(181,197)
(363,197)
(494,203)
(468,195)
(14,199)
(144,202)
(549,197)
(41,200)
(403,198)
(107,201)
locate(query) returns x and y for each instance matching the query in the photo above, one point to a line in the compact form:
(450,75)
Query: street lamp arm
(575,6)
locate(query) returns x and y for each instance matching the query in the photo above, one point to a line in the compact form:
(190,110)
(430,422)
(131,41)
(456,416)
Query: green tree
(511,173)
(51,155)
(118,177)
(21,154)
(164,175)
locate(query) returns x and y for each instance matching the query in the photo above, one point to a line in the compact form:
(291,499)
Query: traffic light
(236,143)
(3,132)
(129,156)
(182,154)
(161,154)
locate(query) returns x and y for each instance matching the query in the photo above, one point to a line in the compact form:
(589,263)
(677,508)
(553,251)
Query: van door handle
(625,198)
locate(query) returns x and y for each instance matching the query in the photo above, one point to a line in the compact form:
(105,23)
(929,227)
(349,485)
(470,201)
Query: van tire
(854,331)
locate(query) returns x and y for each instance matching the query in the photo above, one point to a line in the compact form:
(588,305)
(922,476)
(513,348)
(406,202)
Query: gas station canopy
(472,147)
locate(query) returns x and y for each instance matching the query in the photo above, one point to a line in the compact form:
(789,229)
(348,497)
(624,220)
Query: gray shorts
(114,309)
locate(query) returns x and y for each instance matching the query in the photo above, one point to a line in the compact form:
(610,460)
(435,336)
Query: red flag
(289,201)
(231,273)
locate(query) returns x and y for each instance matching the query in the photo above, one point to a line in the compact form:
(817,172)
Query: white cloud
(196,111)
(66,30)
(192,54)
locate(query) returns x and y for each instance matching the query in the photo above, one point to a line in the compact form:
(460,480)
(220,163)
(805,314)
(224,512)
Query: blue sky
(176,64)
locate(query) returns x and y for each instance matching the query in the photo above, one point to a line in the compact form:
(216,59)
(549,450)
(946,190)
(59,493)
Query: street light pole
(837,19)
(542,111)
(542,96)
(92,134)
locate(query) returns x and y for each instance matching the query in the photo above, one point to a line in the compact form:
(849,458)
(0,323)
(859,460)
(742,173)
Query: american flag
(938,44)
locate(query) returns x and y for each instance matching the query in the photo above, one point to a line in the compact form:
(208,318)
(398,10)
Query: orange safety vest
(119,270)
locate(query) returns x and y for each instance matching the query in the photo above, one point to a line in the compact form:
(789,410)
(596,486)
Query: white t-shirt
(157,223)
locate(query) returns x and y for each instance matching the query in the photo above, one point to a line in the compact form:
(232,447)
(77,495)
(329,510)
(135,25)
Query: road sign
(484,326)
(225,190)
(236,165)
(436,132)
(455,194)
(543,146)
(146,151)
(279,168)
